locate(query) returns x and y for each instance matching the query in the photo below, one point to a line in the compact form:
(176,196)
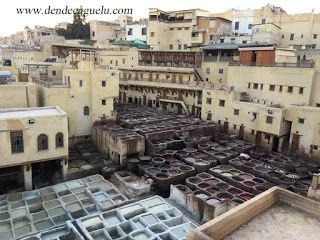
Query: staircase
(177,101)
(198,75)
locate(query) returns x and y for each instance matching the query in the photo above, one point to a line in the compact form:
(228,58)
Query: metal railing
(301,64)
(184,82)
(49,84)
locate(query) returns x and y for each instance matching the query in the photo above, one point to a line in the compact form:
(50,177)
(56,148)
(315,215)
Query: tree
(79,29)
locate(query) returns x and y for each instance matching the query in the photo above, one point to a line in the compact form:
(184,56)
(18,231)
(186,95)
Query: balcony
(197,39)
(301,64)
(48,84)
(156,80)
(218,59)
(166,83)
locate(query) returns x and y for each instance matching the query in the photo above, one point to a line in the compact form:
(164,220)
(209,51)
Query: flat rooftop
(13,113)
(281,221)
(274,214)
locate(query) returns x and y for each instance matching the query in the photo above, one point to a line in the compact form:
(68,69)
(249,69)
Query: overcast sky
(12,22)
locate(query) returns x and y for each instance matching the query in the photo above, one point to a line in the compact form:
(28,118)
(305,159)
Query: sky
(11,22)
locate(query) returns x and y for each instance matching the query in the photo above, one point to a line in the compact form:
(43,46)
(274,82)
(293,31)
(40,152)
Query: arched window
(86,111)
(304,57)
(299,58)
(42,142)
(59,140)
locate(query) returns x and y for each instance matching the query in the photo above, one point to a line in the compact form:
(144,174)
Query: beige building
(114,57)
(87,95)
(84,89)
(26,139)
(262,97)
(164,79)
(19,95)
(20,58)
(180,30)
(104,31)
(293,30)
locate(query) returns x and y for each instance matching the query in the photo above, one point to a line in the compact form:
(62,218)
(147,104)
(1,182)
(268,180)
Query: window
(179,47)
(301,120)
(222,103)
(269,120)
(171,29)
(252,132)
(16,139)
(301,35)
(250,26)
(272,87)
(103,83)
(314,36)
(282,36)
(103,102)
(317,104)
(261,87)
(236,26)
(263,21)
(42,142)
(291,36)
(93,34)
(54,73)
(207,70)
(123,61)
(170,46)
(249,85)
(255,86)
(280,88)
(59,140)
(290,89)
(208,100)
(236,112)
(80,83)
(185,46)
(130,31)
(301,90)
(152,34)
(222,40)
(179,28)
(186,28)
(86,111)
(144,31)
(220,71)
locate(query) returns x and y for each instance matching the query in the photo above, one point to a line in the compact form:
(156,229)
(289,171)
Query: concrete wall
(136,30)
(20,95)
(49,125)
(240,77)
(73,100)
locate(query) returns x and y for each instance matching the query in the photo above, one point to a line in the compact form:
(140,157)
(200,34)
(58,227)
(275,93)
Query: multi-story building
(123,20)
(20,58)
(163,79)
(105,31)
(264,98)
(288,30)
(26,140)
(118,56)
(179,30)
(137,30)
(84,89)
